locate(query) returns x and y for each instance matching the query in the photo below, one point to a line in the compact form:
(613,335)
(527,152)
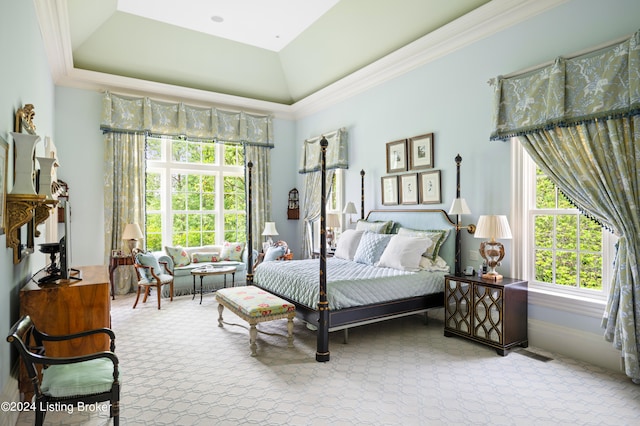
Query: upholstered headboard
(426,219)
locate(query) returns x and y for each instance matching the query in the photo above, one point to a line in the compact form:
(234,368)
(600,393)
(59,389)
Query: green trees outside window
(568,245)
(195,193)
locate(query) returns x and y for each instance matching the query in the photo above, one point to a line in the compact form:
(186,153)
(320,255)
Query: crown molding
(483,22)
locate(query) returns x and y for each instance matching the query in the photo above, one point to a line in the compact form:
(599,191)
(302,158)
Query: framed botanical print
(4,152)
(430,187)
(397,156)
(409,189)
(421,152)
(389,190)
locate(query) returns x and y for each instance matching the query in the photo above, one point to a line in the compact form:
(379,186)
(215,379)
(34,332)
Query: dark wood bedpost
(249,225)
(362,194)
(458,261)
(322,352)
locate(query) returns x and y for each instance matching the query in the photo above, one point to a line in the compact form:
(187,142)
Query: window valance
(139,115)
(337,152)
(600,84)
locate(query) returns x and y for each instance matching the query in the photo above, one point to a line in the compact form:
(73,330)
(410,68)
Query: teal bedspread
(348,283)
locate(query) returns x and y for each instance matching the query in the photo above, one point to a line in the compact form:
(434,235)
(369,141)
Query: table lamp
(333,221)
(269,231)
(132,233)
(492,227)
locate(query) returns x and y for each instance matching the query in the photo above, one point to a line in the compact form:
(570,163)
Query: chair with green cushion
(86,379)
(150,274)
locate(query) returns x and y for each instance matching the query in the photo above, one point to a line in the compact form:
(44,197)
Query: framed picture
(409,189)
(390,190)
(4,152)
(397,156)
(421,152)
(430,187)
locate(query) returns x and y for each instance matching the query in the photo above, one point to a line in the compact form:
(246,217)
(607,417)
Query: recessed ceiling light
(216,18)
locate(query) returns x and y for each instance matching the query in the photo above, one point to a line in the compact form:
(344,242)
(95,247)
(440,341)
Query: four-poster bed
(373,296)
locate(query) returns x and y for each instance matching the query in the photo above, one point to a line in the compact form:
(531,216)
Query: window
(334,205)
(194,193)
(560,251)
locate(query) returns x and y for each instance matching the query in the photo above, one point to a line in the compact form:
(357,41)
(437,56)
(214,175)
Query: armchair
(84,379)
(151,275)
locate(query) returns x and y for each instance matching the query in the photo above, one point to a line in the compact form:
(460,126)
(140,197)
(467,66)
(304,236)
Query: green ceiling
(351,35)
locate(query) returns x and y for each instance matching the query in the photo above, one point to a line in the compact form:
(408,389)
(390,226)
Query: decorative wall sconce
(459,207)
(350,209)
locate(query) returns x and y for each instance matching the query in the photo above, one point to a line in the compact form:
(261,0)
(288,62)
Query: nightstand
(493,313)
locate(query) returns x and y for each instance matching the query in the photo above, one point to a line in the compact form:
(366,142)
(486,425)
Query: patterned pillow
(380,227)
(179,256)
(148,259)
(232,251)
(437,236)
(273,253)
(205,257)
(371,247)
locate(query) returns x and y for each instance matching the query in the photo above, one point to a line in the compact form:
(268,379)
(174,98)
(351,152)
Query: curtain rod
(570,56)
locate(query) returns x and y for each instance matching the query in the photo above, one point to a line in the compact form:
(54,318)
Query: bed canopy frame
(343,319)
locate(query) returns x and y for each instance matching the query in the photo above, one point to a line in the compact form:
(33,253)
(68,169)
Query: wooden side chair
(151,275)
(87,379)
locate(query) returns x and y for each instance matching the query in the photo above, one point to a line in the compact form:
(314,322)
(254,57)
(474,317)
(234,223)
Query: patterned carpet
(180,368)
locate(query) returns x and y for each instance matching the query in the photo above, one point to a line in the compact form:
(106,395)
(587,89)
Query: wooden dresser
(68,306)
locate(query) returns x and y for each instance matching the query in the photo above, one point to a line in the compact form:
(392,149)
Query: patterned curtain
(579,119)
(311,207)
(123,197)
(125,121)
(336,158)
(261,194)
(128,114)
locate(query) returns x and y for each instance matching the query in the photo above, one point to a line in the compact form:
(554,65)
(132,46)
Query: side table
(114,262)
(493,313)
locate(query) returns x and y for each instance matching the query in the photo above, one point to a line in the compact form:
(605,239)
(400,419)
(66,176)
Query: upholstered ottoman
(255,305)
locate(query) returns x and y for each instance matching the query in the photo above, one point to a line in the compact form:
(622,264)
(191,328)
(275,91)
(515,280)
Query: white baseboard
(10,393)
(577,344)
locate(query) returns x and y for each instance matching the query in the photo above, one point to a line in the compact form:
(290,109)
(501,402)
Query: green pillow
(379,227)
(437,237)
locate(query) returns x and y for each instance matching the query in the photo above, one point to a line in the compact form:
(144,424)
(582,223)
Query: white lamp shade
(270,229)
(132,232)
(350,208)
(333,221)
(493,227)
(459,206)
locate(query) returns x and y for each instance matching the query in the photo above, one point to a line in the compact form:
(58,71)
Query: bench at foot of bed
(255,305)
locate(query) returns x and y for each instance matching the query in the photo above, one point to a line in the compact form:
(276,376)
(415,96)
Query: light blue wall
(24,78)
(451,98)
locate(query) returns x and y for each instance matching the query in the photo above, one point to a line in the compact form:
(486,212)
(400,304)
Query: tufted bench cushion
(255,305)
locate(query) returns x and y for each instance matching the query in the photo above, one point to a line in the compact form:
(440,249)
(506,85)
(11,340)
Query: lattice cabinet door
(457,306)
(487,313)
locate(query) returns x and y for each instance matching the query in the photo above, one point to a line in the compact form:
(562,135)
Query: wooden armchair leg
(159,291)
(137,297)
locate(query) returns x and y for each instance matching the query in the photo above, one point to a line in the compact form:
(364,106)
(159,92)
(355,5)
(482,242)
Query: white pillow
(404,252)
(348,244)
(439,264)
